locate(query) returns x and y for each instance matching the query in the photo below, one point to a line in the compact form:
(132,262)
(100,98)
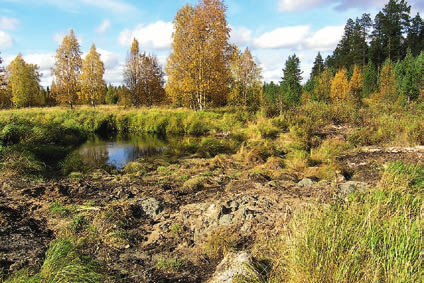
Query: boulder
(233,264)
(147,207)
(351,187)
(306,183)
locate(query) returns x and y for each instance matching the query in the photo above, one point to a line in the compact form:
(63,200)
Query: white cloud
(284,37)
(341,5)
(360,4)
(58,38)
(114,76)
(44,60)
(8,23)
(299,5)
(325,39)
(157,35)
(240,36)
(116,6)
(6,40)
(104,26)
(110,59)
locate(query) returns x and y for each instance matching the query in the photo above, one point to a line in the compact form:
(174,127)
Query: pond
(118,150)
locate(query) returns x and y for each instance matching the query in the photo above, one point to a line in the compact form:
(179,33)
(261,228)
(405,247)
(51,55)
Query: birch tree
(93,86)
(198,66)
(24,83)
(247,79)
(67,71)
(132,73)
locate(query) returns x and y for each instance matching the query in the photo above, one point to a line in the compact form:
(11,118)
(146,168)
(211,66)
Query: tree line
(380,59)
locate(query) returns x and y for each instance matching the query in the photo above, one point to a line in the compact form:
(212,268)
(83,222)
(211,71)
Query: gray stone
(233,264)
(351,187)
(306,183)
(246,227)
(226,219)
(147,207)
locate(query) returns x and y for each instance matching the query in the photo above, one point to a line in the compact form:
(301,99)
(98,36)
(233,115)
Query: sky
(272,29)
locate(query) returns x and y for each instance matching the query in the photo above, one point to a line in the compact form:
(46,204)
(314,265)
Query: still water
(120,149)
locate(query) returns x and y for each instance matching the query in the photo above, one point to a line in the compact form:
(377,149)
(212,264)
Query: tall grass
(62,264)
(373,237)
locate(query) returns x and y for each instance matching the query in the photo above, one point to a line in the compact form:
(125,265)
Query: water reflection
(120,149)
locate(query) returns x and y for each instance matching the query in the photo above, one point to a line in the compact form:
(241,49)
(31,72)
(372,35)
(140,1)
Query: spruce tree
(409,85)
(370,80)
(290,84)
(318,66)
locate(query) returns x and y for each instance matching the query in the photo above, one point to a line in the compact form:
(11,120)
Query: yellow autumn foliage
(339,86)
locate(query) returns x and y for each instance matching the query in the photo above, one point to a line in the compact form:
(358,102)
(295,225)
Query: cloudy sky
(272,29)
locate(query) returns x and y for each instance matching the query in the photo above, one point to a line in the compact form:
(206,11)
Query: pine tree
(290,84)
(415,39)
(365,23)
(395,23)
(24,82)
(342,54)
(376,53)
(339,86)
(67,70)
(93,86)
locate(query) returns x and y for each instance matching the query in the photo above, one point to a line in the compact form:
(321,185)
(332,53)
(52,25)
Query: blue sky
(272,29)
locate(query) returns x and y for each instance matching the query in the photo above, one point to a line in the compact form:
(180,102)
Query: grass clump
(170,264)
(63,263)
(220,243)
(59,209)
(134,167)
(399,176)
(374,237)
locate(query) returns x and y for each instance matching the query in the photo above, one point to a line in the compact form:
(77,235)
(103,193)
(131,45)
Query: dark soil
(244,207)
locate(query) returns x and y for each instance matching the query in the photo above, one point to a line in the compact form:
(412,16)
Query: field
(318,193)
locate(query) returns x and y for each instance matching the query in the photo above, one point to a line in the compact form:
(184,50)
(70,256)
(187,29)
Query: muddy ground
(173,224)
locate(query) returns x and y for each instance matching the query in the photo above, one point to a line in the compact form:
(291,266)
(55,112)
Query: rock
(226,219)
(351,187)
(233,264)
(150,207)
(306,183)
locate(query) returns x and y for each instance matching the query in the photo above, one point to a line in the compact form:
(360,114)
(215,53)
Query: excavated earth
(165,217)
